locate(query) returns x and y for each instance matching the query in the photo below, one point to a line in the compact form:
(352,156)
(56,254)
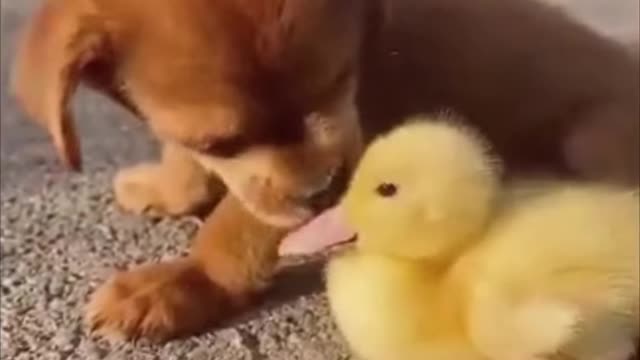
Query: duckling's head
(423,190)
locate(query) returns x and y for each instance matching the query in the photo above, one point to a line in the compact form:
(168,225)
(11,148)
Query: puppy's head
(261,92)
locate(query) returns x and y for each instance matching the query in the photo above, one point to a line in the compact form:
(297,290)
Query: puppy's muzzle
(324,192)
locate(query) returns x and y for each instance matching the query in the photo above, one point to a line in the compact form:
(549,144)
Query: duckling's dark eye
(387,189)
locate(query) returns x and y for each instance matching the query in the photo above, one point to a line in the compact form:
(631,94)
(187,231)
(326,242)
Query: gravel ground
(60,236)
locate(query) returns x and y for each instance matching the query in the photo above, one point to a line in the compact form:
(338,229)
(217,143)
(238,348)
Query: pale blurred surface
(618,19)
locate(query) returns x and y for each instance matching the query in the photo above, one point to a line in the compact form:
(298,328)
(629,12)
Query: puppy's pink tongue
(326,230)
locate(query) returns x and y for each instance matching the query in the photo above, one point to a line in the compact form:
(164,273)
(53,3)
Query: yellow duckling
(420,196)
(450,265)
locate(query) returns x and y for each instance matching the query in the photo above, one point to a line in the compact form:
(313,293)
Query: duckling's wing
(552,262)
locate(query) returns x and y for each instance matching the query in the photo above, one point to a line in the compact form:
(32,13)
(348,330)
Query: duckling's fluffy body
(452,265)
(558,270)
(388,308)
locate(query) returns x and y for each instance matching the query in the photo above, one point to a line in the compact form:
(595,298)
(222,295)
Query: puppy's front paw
(153,190)
(135,189)
(157,302)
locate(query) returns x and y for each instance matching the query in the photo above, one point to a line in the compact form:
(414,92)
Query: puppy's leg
(177,185)
(232,259)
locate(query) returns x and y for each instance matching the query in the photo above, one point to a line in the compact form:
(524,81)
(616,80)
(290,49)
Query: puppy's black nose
(326,192)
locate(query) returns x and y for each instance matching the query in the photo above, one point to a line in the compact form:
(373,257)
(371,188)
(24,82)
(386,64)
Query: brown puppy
(272,96)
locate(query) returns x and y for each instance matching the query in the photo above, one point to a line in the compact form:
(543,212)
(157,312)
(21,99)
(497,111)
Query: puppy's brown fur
(273,97)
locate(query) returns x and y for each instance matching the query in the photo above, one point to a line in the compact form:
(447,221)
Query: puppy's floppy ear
(60,41)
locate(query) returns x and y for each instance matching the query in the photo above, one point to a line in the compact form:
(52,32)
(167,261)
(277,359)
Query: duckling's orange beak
(326,230)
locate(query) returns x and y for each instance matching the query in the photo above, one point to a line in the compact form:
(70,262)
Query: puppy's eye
(387,189)
(222,147)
